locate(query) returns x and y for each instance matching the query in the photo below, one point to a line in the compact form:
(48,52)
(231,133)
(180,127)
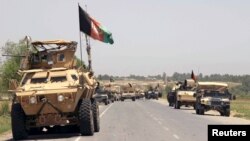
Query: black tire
(133,98)
(197,111)
(122,99)
(18,118)
(201,110)
(194,106)
(106,102)
(95,109)
(169,104)
(85,116)
(35,131)
(177,105)
(227,112)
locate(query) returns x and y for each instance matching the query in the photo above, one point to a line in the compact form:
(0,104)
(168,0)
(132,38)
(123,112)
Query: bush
(4,108)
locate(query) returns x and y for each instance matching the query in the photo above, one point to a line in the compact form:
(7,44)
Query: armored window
(44,58)
(60,57)
(74,77)
(36,58)
(38,80)
(58,79)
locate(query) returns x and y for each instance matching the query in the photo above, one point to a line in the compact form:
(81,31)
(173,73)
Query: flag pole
(80,38)
(88,48)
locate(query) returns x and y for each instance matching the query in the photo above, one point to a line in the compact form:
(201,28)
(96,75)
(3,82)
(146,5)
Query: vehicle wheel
(169,104)
(194,106)
(177,105)
(18,118)
(95,109)
(227,112)
(156,98)
(133,99)
(85,116)
(122,99)
(106,102)
(35,131)
(112,101)
(197,111)
(201,110)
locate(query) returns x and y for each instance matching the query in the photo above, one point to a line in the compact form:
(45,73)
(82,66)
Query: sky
(150,36)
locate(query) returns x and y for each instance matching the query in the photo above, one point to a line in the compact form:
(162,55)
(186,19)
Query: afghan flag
(93,28)
(193,76)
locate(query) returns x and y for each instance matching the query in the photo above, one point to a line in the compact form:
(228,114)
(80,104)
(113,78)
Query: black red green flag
(93,28)
(193,76)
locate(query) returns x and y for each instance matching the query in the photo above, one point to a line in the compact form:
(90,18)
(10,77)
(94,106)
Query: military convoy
(53,91)
(203,96)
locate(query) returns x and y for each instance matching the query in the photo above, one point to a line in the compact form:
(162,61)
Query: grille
(216,102)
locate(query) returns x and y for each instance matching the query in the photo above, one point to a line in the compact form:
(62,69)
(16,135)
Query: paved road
(147,120)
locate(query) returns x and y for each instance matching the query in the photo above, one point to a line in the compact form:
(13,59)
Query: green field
(241,108)
(4,116)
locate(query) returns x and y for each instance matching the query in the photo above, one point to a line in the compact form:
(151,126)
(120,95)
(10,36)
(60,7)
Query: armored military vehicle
(101,96)
(117,92)
(128,92)
(213,96)
(152,95)
(53,91)
(184,94)
(171,96)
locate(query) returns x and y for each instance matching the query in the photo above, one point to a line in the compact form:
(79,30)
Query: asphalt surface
(146,120)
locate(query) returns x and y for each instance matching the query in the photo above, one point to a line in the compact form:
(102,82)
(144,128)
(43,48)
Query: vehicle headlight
(60,98)
(32,100)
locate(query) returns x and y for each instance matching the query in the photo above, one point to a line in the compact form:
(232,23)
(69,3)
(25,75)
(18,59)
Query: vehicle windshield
(217,94)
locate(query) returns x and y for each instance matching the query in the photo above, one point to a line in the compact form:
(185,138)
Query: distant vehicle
(111,97)
(152,95)
(128,92)
(53,91)
(128,95)
(213,96)
(184,94)
(101,97)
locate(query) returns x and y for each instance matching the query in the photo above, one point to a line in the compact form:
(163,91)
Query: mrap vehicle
(53,91)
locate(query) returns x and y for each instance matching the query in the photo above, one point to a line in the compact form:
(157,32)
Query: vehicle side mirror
(194,95)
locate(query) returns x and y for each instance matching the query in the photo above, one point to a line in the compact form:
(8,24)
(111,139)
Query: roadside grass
(241,107)
(5,124)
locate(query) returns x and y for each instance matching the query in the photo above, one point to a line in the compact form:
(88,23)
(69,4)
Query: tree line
(9,68)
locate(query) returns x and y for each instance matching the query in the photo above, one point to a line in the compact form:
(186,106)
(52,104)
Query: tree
(11,65)
(79,62)
(164,75)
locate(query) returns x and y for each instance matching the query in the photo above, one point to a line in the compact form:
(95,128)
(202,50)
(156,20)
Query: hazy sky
(151,36)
